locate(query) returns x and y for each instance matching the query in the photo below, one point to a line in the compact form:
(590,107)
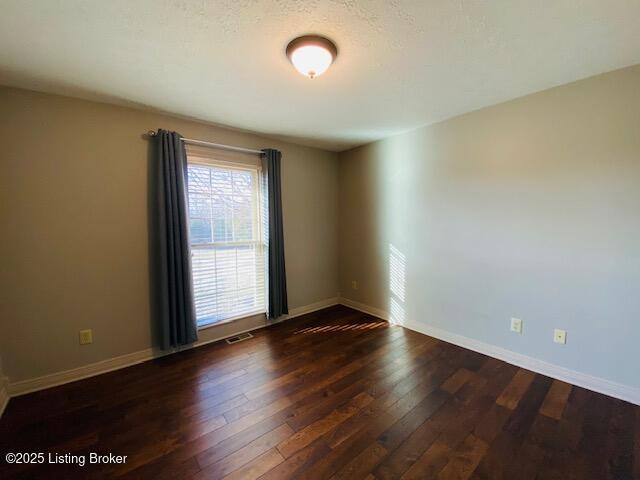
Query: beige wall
(74,243)
(526,209)
(2,381)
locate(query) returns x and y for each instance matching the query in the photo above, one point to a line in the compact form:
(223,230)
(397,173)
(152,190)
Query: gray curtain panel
(278,304)
(176,309)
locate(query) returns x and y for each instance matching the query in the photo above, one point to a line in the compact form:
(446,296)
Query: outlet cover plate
(560,336)
(86,337)
(516,325)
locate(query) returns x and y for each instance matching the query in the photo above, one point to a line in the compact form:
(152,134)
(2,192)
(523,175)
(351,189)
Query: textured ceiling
(401,64)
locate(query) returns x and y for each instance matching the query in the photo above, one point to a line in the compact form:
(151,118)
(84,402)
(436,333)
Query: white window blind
(227,240)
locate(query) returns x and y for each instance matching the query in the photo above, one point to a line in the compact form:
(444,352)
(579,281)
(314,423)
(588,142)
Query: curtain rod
(151,133)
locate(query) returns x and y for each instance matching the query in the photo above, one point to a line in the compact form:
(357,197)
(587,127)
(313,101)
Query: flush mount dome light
(311,55)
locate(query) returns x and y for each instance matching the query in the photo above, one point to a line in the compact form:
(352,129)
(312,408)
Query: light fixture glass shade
(311,60)
(311,55)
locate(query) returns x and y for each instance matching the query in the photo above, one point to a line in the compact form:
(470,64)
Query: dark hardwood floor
(336,394)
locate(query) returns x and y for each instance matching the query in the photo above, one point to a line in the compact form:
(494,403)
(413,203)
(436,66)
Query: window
(227,242)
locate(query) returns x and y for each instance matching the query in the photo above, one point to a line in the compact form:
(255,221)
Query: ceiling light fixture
(311,55)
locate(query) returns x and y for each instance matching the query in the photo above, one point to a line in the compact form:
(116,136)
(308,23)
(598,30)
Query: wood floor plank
(333,394)
(233,462)
(457,380)
(464,459)
(202,428)
(324,403)
(556,400)
(362,464)
(430,463)
(391,407)
(245,423)
(208,449)
(515,390)
(343,453)
(400,430)
(310,433)
(258,466)
(536,449)
(298,461)
(620,440)
(499,460)
(491,424)
(564,460)
(383,413)
(401,459)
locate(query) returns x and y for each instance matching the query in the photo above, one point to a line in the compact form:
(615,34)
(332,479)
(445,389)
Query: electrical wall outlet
(86,337)
(516,325)
(354,284)
(560,336)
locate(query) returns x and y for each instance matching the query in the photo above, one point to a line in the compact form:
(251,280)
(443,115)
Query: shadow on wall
(397,285)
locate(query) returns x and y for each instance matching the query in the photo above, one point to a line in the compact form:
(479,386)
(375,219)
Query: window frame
(259,241)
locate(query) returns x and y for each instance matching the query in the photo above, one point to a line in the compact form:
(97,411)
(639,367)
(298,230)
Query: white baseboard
(376,312)
(590,382)
(597,384)
(85,371)
(59,378)
(313,307)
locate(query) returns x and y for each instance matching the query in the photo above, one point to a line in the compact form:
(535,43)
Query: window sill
(205,326)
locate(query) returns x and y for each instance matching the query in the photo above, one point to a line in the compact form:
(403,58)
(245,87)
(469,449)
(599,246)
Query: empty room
(324,239)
